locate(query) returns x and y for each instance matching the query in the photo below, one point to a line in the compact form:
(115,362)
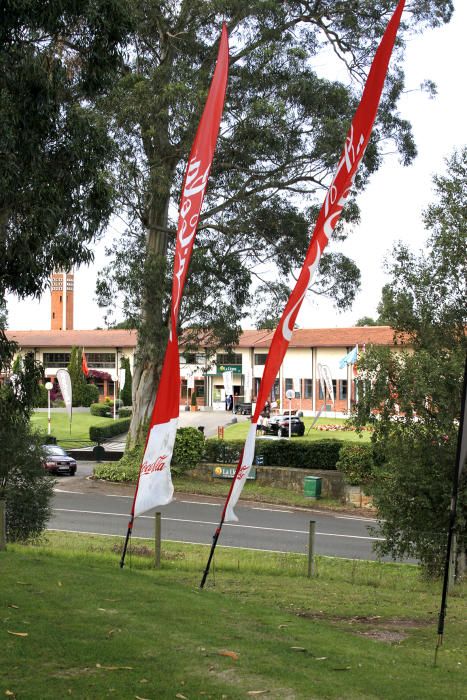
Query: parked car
(57,461)
(244,409)
(279,425)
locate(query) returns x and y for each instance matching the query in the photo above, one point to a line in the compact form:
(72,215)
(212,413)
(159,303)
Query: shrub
(28,505)
(99,409)
(126,390)
(193,398)
(28,489)
(89,394)
(301,454)
(356,463)
(114,427)
(125,412)
(41,398)
(188,449)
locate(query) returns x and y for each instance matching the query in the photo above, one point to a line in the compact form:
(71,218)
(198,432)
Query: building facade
(203,371)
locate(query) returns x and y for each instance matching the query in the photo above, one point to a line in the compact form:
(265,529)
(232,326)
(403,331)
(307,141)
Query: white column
(64,302)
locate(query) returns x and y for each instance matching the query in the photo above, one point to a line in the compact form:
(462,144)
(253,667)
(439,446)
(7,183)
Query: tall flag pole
(337,194)
(461,456)
(154,486)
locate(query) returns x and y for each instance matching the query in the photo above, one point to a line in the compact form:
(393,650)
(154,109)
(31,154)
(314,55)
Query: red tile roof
(302,338)
(323,337)
(86,339)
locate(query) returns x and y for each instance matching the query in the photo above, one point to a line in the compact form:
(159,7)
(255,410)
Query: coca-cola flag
(154,487)
(337,194)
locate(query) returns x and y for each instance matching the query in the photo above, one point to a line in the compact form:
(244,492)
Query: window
(260,359)
(289,384)
(275,392)
(308,388)
(343,392)
(56,359)
(226,359)
(334,389)
(183,389)
(100,360)
(199,388)
(193,358)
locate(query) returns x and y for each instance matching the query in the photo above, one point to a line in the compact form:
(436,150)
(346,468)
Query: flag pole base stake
(215,537)
(125,546)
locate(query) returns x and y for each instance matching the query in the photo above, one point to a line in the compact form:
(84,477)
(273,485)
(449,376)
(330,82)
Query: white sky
(391,206)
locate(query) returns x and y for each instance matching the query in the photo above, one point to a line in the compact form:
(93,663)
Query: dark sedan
(57,461)
(279,425)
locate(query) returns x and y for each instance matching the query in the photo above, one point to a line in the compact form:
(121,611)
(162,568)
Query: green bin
(313,486)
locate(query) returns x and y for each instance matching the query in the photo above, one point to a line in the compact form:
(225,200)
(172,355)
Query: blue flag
(350,358)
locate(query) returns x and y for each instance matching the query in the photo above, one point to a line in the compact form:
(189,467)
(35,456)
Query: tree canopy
(413,396)
(284,125)
(55,185)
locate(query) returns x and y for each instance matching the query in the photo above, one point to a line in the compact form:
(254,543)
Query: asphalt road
(96,507)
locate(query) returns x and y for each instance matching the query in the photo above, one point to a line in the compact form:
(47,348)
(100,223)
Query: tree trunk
(153,333)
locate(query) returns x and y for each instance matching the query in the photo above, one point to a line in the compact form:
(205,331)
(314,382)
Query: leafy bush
(125,412)
(188,449)
(28,489)
(126,390)
(100,409)
(301,454)
(89,394)
(41,399)
(126,469)
(58,403)
(114,427)
(28,505)
(356,463)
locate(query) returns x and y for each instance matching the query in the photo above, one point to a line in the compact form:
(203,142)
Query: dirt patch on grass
(388,636)
(386,629)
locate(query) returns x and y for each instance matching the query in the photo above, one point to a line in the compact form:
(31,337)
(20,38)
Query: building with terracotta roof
(203,371)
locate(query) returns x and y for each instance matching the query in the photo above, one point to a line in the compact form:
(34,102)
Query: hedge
(99,409)
(301,454)
(125,412)
(114,427)
(356,463)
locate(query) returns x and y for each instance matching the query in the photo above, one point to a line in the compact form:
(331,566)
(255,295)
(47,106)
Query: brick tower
(61,316)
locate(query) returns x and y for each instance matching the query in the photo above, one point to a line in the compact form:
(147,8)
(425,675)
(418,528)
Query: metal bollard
(157,540)
(311,549)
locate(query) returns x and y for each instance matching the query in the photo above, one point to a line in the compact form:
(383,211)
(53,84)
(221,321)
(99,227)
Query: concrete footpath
(209,420)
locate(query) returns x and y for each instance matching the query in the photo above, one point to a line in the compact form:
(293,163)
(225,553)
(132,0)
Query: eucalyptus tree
(56,56)
(284,125)
(417,419)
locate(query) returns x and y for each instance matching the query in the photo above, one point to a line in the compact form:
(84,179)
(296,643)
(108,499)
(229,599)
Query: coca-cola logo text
(157,466)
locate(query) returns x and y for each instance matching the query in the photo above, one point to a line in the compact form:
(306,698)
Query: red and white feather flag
(336,197)
(154,487)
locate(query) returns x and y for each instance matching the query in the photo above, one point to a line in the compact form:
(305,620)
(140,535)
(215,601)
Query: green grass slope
(75,625)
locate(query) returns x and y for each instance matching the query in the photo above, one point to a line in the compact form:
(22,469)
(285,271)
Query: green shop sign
(235,369)
(229,472)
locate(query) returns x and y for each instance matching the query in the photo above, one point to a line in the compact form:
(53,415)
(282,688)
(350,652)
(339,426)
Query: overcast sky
(391,206)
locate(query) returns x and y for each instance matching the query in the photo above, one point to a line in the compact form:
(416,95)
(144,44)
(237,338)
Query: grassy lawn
(239,431)
(254,492)
(75,625)
(60,425)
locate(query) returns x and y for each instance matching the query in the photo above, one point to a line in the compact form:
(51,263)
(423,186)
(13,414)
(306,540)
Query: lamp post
(290,394)
(49,386)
